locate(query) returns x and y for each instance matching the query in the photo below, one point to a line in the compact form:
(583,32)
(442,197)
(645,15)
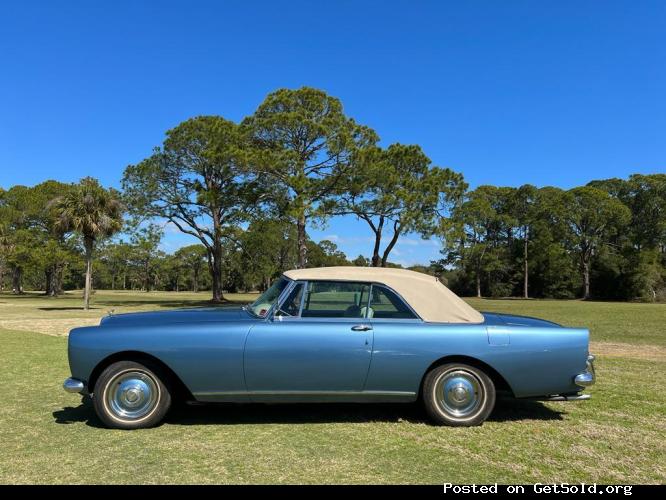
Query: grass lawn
(48,436)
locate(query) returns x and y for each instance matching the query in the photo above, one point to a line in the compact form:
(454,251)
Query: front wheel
(458,395)
(130,395)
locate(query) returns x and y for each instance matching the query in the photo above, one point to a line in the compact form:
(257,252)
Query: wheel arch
(499,381)
(173,381)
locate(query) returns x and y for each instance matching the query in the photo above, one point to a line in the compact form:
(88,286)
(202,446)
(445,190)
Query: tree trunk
(215,265)
(147,278)
(376,261)
(302,238)
(57,288)
(48,282)
(17,279)
(526,270)
(52,288)
(478,284)
(195,280)
(387,251)
(88,243)
(61,279)
(586,279)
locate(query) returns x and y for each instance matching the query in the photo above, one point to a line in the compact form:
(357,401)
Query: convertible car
(336,334)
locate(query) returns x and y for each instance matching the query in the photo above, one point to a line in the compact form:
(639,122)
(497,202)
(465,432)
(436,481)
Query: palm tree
(5,249)
(94,213)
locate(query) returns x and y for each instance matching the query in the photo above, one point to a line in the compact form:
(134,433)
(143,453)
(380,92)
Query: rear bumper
(583,379)
(586,378)
(73,385)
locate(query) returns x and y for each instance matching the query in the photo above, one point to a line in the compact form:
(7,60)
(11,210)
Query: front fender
(205,357)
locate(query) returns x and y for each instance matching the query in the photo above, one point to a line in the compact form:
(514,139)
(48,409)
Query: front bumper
(586,378)
(73,385)
(570,397)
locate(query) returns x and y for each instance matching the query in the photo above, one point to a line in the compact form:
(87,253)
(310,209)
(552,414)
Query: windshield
(263,304)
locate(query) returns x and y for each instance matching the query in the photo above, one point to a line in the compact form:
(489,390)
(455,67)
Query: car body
(333,335)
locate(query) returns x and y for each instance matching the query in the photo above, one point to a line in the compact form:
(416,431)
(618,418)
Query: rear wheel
(130,395)
(459,395)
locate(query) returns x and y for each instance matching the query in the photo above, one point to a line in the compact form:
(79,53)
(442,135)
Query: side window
(385,304)
(335,299)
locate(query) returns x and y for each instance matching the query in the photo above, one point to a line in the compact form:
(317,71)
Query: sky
(507,93)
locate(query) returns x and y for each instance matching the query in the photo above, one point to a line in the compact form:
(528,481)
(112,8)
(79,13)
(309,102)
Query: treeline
(251,261)
(248,192)
(604,240)
(37,254)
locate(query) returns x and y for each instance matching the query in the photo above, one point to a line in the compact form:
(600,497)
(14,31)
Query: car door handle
(361,328)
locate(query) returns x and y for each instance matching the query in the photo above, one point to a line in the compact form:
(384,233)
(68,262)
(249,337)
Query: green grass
(48,436)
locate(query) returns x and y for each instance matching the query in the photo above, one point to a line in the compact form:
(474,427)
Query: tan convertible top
(431,300)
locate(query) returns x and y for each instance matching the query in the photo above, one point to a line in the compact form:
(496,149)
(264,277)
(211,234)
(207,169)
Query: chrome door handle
(361,328)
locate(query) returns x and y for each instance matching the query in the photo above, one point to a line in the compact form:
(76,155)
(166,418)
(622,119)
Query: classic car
(335,334)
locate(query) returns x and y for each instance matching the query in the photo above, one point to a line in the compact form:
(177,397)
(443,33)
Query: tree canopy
(304,143)
(395,191)
(199,181)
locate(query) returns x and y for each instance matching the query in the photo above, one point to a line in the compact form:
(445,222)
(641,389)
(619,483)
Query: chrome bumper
(73,385)
(573,397)
(586,378)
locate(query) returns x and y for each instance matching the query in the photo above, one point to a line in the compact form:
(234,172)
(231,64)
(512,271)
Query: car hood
(194,315)
(497,319)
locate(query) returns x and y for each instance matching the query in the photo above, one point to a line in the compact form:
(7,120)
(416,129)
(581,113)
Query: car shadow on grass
(506,410)
(81,308)
(509,410)
(75,414)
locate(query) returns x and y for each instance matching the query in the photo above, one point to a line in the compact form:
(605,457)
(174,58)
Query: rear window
(385,304)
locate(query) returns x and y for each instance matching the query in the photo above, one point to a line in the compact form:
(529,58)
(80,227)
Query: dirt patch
(620,350)
(55,327)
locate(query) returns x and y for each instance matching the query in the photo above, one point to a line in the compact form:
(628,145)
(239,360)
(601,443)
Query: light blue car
(338,334)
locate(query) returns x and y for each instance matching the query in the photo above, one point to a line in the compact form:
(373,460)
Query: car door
(399,337)
(316,346)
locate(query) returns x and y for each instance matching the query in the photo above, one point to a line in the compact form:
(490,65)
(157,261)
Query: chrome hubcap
(132,395)
(459,393)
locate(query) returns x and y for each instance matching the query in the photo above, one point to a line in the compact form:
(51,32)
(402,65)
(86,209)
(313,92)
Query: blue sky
(512,92)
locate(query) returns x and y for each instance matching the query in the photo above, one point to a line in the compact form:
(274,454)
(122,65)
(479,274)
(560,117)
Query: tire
(468,399)
(130,395)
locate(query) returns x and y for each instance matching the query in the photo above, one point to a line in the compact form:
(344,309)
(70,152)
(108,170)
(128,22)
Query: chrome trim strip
(305,292)
(306,393)
(73,385)
(575,397)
